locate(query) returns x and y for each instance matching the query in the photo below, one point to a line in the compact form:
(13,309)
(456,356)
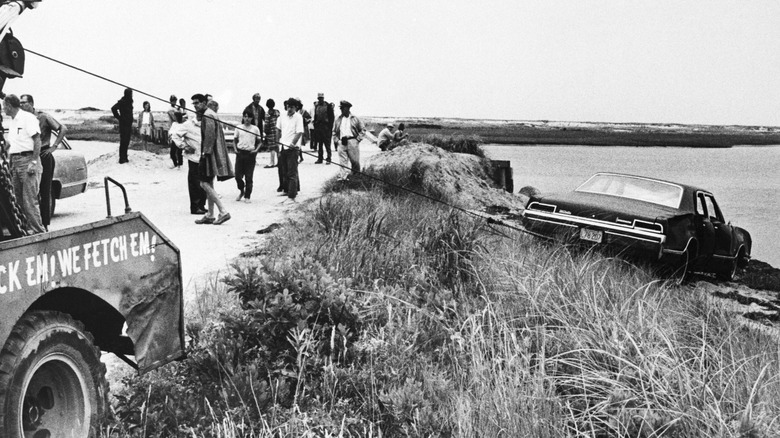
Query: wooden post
(502,174)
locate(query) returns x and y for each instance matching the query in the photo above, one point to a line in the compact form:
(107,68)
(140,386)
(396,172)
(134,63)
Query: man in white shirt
(289,128)
(24,150)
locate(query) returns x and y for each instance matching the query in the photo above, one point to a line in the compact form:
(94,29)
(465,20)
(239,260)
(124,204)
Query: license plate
(591,235)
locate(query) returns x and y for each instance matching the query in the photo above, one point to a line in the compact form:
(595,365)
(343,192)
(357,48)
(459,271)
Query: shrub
(456,143)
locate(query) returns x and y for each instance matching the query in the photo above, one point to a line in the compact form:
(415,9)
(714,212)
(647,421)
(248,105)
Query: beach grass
(379,313)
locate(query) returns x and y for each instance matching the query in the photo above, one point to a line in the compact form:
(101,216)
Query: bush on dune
(377,313)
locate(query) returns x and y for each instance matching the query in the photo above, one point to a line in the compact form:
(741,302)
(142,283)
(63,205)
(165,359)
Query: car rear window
(631,187)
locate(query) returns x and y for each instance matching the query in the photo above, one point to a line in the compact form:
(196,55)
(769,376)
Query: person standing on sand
(289,128)
(258,113)
(247,142)
(175,152)
(47,124)
(323,126)
(271,140)
(214,160)
(187,137)
(348,131)
(306,119)
(24,149)
(183,109)
(123,112)
(146,122)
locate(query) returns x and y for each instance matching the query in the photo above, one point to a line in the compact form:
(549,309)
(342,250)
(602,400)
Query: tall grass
(384,315)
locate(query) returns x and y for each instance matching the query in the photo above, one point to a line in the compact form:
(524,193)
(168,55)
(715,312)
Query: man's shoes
(279,189)
(198,211)
(327,161)
(205,220)
(240,195)
(222,219)
(318,162)
(247,200)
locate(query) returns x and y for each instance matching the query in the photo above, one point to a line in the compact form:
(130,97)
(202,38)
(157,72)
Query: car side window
(713,210)
(700,205)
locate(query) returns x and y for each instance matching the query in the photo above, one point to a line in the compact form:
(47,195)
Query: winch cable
(489,219)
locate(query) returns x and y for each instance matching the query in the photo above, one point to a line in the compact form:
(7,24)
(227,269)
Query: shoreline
(100,125)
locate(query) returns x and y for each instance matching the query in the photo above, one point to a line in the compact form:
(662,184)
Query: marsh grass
(378,314)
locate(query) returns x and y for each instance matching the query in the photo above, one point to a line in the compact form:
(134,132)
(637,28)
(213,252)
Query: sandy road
(160,193)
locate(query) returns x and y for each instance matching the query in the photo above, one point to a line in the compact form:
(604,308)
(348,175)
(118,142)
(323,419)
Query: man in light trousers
(348,131)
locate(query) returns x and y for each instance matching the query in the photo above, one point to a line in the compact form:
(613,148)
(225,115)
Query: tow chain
(18,221)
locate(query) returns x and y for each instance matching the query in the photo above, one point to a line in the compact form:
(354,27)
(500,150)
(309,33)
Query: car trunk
(607,208)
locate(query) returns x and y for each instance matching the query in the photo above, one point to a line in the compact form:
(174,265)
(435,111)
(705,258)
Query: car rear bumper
(627,239)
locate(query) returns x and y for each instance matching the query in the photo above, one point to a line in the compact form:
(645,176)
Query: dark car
(70,174)
(676,225)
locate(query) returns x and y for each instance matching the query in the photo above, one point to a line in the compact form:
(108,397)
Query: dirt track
(160,193)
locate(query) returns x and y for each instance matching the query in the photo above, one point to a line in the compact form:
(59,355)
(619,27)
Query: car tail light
(652,226)
(538,206)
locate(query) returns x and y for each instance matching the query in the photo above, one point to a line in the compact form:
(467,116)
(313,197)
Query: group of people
(201,140)
(387,140)
(29,148)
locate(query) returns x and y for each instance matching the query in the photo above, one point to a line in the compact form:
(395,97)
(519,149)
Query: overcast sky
(711,62)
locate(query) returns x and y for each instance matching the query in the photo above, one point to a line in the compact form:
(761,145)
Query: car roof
(687,202)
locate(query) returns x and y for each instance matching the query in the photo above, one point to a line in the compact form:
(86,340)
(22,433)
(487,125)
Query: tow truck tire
(52,383)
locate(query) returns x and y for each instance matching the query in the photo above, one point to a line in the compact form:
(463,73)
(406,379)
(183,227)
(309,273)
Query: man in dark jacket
(123,112)
(259,113)
(323,126)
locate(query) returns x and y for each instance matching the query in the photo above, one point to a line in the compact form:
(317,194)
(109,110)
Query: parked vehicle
(70,174)
(113,285)
(676,225)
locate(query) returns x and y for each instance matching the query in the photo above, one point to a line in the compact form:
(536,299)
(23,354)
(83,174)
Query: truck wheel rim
(55,402)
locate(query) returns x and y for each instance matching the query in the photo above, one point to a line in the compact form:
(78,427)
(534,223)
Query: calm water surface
(744,179)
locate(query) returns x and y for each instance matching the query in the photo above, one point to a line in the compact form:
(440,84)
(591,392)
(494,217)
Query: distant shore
(95,124)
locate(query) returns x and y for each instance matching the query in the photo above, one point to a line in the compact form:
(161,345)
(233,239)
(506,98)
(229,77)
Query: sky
(651,61)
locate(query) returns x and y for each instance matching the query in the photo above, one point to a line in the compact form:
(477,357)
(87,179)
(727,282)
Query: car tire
(52,382)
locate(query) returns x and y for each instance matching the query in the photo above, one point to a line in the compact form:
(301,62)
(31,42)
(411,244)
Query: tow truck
(114,285)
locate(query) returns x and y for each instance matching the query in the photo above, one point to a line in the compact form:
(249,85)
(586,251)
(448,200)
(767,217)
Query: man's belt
(21,154)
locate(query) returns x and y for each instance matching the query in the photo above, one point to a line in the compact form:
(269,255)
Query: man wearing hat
(348,130)
(257,112)
(385,137)
(323,126)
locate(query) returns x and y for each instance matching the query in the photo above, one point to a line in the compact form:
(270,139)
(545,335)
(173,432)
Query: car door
(705,231)
(723,231)
(716,243)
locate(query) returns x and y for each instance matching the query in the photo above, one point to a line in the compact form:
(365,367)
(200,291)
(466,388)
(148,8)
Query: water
(744,179)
